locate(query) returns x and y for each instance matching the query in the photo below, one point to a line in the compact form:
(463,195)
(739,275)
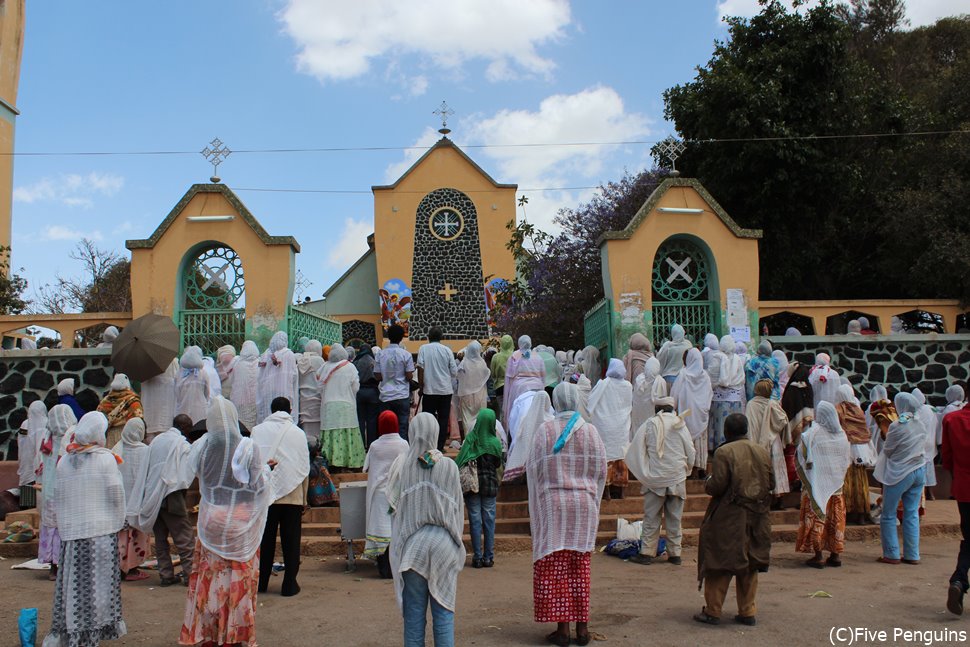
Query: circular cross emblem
(214,280)
(680,272)
(446,223)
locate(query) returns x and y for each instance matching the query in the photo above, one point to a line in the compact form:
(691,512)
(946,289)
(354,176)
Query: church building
(437,255)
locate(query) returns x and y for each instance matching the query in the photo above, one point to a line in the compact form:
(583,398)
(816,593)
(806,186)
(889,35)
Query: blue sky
(119,76)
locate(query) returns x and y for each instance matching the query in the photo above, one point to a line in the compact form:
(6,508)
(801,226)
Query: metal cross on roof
(672,148)
(300,284)
(443,113)
(215,153)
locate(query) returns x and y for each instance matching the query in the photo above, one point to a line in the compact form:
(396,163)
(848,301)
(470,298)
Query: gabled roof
(658,193)
(444,142)
(232,199)
(350,271)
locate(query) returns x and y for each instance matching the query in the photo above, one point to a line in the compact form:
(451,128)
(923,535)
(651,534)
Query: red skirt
(560,587)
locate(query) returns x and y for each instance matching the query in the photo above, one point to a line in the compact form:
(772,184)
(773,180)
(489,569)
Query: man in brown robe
(735,537)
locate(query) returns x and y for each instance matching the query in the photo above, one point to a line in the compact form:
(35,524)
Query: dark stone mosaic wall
(26,376)
(357,329)
(899,362)
(437,262)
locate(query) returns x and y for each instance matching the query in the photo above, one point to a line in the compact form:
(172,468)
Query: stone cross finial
(215,153)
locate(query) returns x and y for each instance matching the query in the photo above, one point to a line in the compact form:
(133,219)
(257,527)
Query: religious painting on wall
(395,304)
(493,290)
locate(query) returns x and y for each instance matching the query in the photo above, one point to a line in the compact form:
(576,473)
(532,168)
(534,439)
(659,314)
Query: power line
(349,149)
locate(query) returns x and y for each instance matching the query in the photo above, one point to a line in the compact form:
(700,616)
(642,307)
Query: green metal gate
(301,322)
(598,328)
(682,287)
(210,329)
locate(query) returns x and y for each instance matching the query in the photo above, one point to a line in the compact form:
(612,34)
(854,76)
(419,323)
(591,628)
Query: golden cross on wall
(447,292)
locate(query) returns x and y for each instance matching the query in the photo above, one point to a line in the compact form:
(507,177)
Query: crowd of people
(252,428)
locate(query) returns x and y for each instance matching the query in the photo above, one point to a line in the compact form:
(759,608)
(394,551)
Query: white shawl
(823,456)
(278,377)
(902,452)
(610,406)
(643,406)
(167,472)
(60,425)
(244,377)
(380,456)
(539,411)
(473,372)
(158,399)
(280,440)
(662,452)
(29,451)
(134,466)
(692,393)
(339,383)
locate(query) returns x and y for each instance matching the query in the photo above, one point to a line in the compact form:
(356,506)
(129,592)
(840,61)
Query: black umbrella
(145,347)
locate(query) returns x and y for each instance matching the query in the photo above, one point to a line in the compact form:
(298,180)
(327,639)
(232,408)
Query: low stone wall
(29,375)
(900,362)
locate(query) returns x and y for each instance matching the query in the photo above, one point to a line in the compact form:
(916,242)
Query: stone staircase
(321,526)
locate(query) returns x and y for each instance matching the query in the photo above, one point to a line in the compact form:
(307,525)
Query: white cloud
(71,189)
(919,12)
(340,40)
(351,245)
(59,232)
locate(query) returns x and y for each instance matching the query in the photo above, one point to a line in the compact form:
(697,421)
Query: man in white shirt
(394,369)
(437,371)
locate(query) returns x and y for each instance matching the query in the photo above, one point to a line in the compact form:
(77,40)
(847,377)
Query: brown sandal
(557,638)
(887,560)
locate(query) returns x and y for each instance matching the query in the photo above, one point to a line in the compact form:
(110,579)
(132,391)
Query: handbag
(468,474)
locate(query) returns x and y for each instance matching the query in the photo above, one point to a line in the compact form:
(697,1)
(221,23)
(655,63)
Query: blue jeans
(909,490)
(481,517)
(415,598)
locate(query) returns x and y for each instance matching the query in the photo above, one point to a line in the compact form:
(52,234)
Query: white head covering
(692,392)
(279,439)
(192,359)
(29,450)
(134,466)
(244,380)
(824,456)
(677,333)
(311,359)
(66,386)
(955,394)
(864,322)
(109,335)
(473,372)
(878,393)
(610,406)
(731,367)
(278,376)
(846,394)
(232,513)
(525,345)
(920,398)
(903,450)
(60,420)
(120,383)
(854,327)
(26,343)
(782,360)
(793,332)
(90,495)
(591,363)
(540,410)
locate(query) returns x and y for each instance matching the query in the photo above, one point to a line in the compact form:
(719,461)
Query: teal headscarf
(481,440)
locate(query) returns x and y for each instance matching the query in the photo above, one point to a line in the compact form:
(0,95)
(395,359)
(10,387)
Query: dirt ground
(631,604)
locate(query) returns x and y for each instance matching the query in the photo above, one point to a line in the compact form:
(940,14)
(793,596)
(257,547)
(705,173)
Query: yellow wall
(267,268)
(442,167)
(11,49)
(630,256)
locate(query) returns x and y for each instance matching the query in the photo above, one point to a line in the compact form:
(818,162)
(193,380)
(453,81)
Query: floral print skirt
(132,548)
(221,604)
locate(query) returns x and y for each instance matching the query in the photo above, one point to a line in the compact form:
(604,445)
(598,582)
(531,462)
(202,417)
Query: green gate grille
(210,329)
(306,323)
(598,328)
(695,316)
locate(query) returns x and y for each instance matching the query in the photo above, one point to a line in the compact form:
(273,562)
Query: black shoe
(488,563)
(169,581)
(289,593)
(477,563)
(954,599)
(675,560)
(746,620)
(706,619)
(644,560)
(701,474)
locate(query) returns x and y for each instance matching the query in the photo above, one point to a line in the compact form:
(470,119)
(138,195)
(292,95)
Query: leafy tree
(560,277)
(12,287)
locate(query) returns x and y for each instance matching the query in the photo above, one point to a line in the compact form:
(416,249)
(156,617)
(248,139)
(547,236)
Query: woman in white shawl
(643,405)
(158,400)
(955,401)
(225,359)
(90,500)
(901,468)
(473,376)
(782,360)
(28,452)
(308,364)
(427,551)
(192,386)
(727,380)
(244,382)
(768,426)
(671,354)
(380,456)
(526,371)
(610,408)
(926,416)
(692,393)
(60,421)
(278,376)
(520,448)
(234,483)
(823,459)
(566,475)
(711,346)
(340,439)
(211,374)
(824,380)
(592,367)
(132,543)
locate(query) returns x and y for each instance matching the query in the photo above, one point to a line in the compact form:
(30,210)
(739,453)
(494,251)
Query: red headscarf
(387,423)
